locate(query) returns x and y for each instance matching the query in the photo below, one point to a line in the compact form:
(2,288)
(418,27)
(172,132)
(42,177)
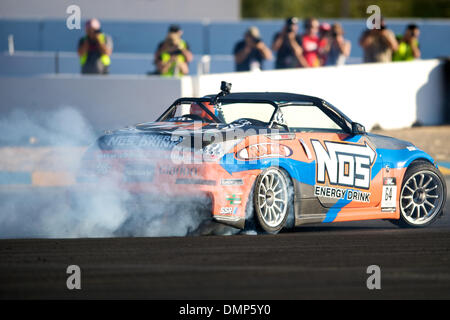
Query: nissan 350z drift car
(272,160)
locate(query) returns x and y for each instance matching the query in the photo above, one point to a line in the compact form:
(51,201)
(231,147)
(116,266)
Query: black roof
(277,97)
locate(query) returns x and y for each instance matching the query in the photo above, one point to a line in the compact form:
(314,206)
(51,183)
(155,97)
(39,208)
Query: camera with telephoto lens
(176,52)
(256,39)
(290,22)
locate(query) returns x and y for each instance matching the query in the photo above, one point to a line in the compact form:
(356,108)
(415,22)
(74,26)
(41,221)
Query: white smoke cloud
(74,211)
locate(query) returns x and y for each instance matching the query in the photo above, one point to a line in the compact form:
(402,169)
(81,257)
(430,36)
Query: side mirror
(358,128)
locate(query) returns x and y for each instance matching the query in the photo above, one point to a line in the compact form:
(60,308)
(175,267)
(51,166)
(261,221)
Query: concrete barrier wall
(29,63)
(392,95)
(130,37)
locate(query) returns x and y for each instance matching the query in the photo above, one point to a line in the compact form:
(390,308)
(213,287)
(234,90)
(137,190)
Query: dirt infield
(433,140)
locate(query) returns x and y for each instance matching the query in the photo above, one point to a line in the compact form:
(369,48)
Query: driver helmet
(197,110)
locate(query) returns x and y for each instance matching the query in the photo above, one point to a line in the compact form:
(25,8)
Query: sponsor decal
(234,198)
(179,171)
(138,173)
(264,150)
(345,164)
(228,214)
(228,210)
(231,182)
(389,181)
(237,124)
(183,154)
(283,136)
(195,181)
(102,168)
(340,193)
(389,195)
(123,155)
(142,141)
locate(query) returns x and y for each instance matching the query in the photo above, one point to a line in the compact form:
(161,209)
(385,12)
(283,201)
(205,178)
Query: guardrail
(34,63)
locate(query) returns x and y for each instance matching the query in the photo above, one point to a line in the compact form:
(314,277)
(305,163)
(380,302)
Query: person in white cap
(95,49)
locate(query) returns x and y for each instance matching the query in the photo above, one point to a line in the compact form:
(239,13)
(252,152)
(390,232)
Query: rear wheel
(423,195)
(272,199)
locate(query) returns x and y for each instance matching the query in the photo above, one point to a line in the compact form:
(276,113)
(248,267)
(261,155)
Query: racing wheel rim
(421,197)
(272,198)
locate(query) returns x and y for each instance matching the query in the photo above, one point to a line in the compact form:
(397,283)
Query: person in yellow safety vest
(408,44)
(95,49)
(173,55)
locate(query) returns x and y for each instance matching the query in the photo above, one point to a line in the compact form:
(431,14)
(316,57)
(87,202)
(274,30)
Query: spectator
(310,42)
(95,49)
(250,53)
(378,44)
(287,44)
(324,40)
(408,45)
(173,55)
(338,49)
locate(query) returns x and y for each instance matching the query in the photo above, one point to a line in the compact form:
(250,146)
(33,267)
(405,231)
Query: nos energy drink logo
(345,164)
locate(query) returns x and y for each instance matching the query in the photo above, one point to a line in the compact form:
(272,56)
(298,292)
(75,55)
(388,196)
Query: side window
(308,117)
(258,111)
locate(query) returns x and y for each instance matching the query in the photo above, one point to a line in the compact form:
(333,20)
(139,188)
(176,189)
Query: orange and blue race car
(272,160)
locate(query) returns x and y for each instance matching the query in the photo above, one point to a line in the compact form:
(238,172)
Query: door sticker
(389,195)
(345,164)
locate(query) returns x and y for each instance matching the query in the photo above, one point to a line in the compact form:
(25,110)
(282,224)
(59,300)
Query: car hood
(385,142)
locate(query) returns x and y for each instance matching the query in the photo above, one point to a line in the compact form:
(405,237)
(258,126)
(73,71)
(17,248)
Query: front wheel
(272,199)
(423,195)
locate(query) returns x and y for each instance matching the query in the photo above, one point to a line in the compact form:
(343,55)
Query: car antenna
(225,89)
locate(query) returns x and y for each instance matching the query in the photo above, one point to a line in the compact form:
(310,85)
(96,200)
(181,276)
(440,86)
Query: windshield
(257,111)
(295,117)
(222,113)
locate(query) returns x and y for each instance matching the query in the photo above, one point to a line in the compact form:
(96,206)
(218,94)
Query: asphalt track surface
(316,262)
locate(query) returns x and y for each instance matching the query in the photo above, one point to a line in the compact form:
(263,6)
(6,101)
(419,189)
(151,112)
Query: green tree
(343,8)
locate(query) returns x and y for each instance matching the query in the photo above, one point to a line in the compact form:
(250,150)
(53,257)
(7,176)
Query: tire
(422,197)
(272,200)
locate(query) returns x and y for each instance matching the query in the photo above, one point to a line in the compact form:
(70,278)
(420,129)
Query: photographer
(408,44)
(378,44)
(173,55)
(287,44)
(337,49)
(250,53)
(95,49)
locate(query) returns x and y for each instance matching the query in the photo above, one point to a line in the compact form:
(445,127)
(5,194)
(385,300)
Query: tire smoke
(31,143)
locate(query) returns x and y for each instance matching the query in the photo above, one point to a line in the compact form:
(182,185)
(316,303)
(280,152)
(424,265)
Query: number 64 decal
(389,195)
